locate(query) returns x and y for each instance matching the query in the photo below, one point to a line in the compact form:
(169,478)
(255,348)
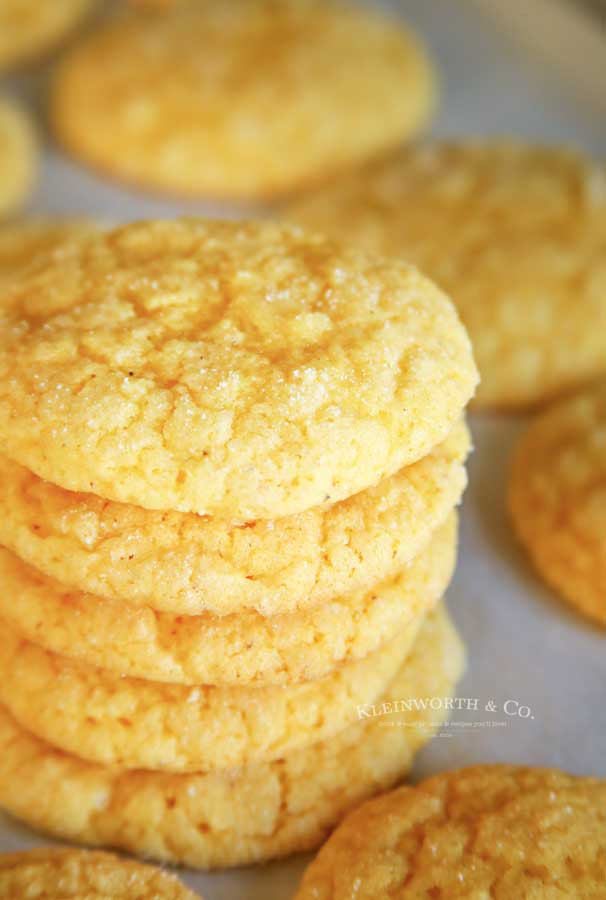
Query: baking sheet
(524,645)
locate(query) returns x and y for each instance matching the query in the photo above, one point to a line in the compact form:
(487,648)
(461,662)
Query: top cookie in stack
(231,457)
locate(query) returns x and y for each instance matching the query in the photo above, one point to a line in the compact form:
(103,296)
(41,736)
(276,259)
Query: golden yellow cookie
(517,235)
(24,242)
(504,832)
(18,156)
(245,99)
(557,499)
(245,648)
(246,370)
(183,563)
(240,816)
(30,28)
(133,723)
(63,874)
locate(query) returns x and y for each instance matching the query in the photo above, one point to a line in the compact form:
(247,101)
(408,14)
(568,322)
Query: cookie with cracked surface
(245,370)
(488,831)
(184,564)
(266,97)
(237,817)
(18,156)
(29,239)
(68,874)
(246,648)
(107,718)
(557,499)
(516,233)
(29,29)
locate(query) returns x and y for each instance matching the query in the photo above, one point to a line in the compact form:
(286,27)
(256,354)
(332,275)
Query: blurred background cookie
(247,99)
(67,874)
(31,28)
(18,157)
(557,499)
(515,233)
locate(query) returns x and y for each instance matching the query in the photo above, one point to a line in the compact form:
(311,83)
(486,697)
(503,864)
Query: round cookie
(18,156)
(236,817)
(245,100)
(132,723)
(488,831)
(246,648)
(23,242)
(185,564)
(245,370)
(29,29)
(67,874)
(557,499)
(517,235)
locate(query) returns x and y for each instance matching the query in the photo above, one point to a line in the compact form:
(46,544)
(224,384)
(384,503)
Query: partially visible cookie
(238,369)
(557,499)
(30,28)
(515,233)
(133,723)
(495,831)
(243,648)
(240,816)
(245,99)
(67,874)
(182,563)
(28,240)
(18,156)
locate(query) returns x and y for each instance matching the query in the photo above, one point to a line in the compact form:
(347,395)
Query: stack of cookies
(231,458)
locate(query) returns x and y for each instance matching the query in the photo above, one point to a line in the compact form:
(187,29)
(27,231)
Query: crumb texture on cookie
(515,233)
(185,564)
(18,157)
(237,817)
(244,648)
(557,498)
(139,724)
(245,99)
(489,831)
(245,370)
(29,28)
(68,874)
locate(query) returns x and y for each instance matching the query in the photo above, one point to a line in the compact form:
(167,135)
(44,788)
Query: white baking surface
(524,645)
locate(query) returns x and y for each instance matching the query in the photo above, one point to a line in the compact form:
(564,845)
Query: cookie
(63,874)
(240,816)
(244,370)
(18,156)
(244,100)
(247,648)
(25,241)
(29,29)
(557,499)
(184,564)
(517,235)
(132,723)
(488,831)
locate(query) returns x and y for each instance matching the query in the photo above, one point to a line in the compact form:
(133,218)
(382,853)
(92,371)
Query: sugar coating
(497,831)
(186,564)
(57,874)
(515,233)
(246,370)
(245,100)
(557,499)
(241,816)
(18,156)
(244,648)
(132,723)
(29,29)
